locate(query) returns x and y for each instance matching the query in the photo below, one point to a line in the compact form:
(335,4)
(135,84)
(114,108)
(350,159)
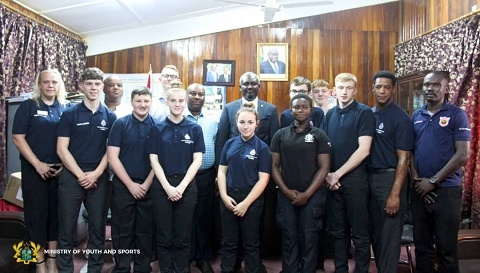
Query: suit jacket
(227,127)
(266,68)
(211,77)
(222,78)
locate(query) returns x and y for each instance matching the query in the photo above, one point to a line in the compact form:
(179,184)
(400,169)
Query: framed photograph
(214,101)
(218,72)
(272,61)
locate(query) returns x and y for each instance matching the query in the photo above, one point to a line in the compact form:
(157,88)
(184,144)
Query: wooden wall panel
(420,16)
(319,47)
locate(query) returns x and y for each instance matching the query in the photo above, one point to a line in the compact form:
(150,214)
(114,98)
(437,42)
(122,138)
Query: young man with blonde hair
(350,128)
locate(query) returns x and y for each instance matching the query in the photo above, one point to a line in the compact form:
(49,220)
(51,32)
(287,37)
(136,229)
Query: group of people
(157,162)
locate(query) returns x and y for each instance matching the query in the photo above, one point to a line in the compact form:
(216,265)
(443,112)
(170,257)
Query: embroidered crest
(444,121)
(309,138)
(103,123)
(252,155)
(187,136)
(380,126)
(253,152)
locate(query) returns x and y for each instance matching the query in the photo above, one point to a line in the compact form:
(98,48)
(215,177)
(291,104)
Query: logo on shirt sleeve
(444,121)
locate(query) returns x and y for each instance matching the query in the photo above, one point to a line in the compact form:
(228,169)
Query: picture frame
(272,61)
(215,72)
(215,101)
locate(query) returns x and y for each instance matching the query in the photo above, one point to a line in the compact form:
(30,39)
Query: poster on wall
(214,94)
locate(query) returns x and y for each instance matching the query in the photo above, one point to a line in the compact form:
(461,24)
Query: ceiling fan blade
(306,4)
(241,3)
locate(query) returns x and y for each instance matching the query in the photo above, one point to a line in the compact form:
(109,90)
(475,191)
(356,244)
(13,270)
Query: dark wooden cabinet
(410,91)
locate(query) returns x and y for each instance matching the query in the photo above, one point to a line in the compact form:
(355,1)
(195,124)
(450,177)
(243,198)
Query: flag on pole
(149,80)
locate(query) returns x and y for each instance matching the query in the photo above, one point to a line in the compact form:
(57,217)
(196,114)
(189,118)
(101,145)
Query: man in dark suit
(225,77)
(269,124)
(272,65)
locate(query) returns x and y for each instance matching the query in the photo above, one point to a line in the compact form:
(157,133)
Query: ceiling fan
(270,7)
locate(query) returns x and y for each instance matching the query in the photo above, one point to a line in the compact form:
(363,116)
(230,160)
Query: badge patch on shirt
(42,113)
(309,138)
(444,121)
(380,128)
(102,127)
(252,155)
(187,139)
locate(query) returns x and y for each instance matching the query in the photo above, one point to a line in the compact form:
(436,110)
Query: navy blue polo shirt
(344,127)
(244,160)
(175,144)
(393,131)
(130,135)
(316,118)
(88,133)
(435,138)
(39,125)
(298,154)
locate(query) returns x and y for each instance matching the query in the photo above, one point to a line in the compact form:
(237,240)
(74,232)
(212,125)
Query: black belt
(382,170)
(206,170)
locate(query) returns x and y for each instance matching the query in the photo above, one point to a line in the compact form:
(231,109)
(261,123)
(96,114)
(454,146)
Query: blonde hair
(61,95)
(170,91)
(345,77)
(248,107)
(320,83)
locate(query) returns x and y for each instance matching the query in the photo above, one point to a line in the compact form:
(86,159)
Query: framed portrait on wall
(214,101)
(218,72)
(272,61)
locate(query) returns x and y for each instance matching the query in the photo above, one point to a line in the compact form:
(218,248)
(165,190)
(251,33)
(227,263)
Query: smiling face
(320,95)
(49,85)
(113,89)
(247,123)
(141,105)
(196,98)
(176,101)
(91,89)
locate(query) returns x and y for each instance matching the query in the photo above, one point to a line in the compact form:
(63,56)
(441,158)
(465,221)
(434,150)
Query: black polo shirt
(393,131)
(298,154)
(130,135)
(175,144)
(39,125)
(316,118)
(88,133)
(344,127)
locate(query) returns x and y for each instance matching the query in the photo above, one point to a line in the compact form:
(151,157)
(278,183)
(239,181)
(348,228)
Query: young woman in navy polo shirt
(175,147)
(243,174)
(34,134)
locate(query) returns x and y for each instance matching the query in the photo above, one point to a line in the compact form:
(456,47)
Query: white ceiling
(110,25)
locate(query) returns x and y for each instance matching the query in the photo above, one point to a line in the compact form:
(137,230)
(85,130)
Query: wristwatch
(433,180)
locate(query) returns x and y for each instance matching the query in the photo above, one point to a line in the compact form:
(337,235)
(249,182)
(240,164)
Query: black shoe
(205,267)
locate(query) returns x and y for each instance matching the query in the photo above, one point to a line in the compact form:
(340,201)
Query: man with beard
(205,180)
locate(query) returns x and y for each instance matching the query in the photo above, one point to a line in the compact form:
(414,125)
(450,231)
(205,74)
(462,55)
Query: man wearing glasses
(159,109)
(301,85)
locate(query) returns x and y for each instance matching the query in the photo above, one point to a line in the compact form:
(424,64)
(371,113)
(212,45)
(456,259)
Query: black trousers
(300,228)
(348,215)
(132,228)
(70,197)
(386,232)
(40,206)
(173,225)
(437,224)
(202,229)
(248,227)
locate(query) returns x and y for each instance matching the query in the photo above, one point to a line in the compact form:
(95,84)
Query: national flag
(149,80)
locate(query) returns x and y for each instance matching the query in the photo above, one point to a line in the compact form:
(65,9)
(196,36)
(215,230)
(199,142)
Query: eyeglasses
(169,76)
(301,91)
